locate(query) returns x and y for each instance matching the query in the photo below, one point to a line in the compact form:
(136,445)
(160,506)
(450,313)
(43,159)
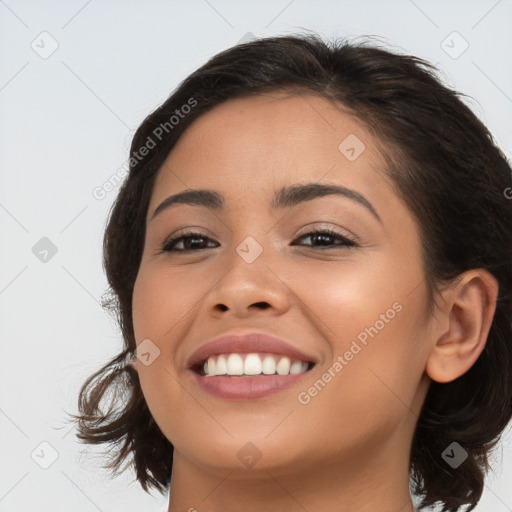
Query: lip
(246,343)
(245,388)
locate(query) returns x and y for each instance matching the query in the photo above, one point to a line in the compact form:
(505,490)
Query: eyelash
(166,246)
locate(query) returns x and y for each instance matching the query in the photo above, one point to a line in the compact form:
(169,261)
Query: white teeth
(221,368)
(269,365)
(283,366)
(211,366)
(298,367)
(235,365)
(253,364)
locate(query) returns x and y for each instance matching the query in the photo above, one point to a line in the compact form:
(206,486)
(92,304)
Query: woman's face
(357,309)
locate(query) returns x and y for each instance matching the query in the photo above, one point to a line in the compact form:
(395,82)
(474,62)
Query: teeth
(235,365)
(269,365)
(252,364)
(211,365)
(283,366)
(297,367)
(221,367)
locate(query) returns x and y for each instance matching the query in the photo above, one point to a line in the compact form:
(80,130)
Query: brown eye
(324,236)
(192,241)
(189,241)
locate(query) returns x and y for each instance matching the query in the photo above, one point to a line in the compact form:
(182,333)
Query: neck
(328,486)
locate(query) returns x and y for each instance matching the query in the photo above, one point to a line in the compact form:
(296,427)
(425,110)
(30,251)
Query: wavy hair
(441,160)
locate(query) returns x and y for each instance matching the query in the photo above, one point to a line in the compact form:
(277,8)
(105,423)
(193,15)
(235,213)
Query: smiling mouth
(251,365)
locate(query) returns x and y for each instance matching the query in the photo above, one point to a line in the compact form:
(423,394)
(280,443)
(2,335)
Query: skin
(348,448)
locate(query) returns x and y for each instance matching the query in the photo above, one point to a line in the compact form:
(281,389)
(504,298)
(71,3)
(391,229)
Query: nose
(248,289)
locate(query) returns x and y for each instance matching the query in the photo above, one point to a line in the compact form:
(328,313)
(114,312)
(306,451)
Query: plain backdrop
(76,79)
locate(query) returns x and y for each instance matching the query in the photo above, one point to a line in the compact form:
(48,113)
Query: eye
(192,241)
(324,235)
(189,242)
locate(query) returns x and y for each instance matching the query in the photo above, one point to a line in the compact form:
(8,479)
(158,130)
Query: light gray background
(66,123)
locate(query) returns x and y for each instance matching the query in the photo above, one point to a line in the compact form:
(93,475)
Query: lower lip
(245,388)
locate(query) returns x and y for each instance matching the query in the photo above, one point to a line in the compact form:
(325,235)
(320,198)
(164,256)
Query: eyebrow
(285,197)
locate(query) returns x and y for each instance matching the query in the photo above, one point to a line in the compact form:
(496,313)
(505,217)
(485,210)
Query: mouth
(237,377)
(251,365)
(248,365)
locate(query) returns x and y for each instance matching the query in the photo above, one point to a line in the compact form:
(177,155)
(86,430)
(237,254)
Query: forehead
(263,142)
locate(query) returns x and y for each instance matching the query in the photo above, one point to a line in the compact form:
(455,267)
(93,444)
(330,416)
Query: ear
(467,315)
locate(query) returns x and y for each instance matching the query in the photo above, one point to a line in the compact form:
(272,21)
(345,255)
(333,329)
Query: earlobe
(470,307)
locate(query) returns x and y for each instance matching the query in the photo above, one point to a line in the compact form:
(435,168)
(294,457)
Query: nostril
(262,305)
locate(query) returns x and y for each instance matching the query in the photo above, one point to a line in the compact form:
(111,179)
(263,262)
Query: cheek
(159,303)
(373,318)
(374,323)
(161,299)
(164,305)
(344,298)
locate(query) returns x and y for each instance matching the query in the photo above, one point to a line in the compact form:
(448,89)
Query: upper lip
(247,343)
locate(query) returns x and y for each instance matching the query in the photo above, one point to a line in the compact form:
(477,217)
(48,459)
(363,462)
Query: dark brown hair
(440,159)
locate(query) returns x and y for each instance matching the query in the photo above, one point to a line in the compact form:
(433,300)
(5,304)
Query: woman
(311,264)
